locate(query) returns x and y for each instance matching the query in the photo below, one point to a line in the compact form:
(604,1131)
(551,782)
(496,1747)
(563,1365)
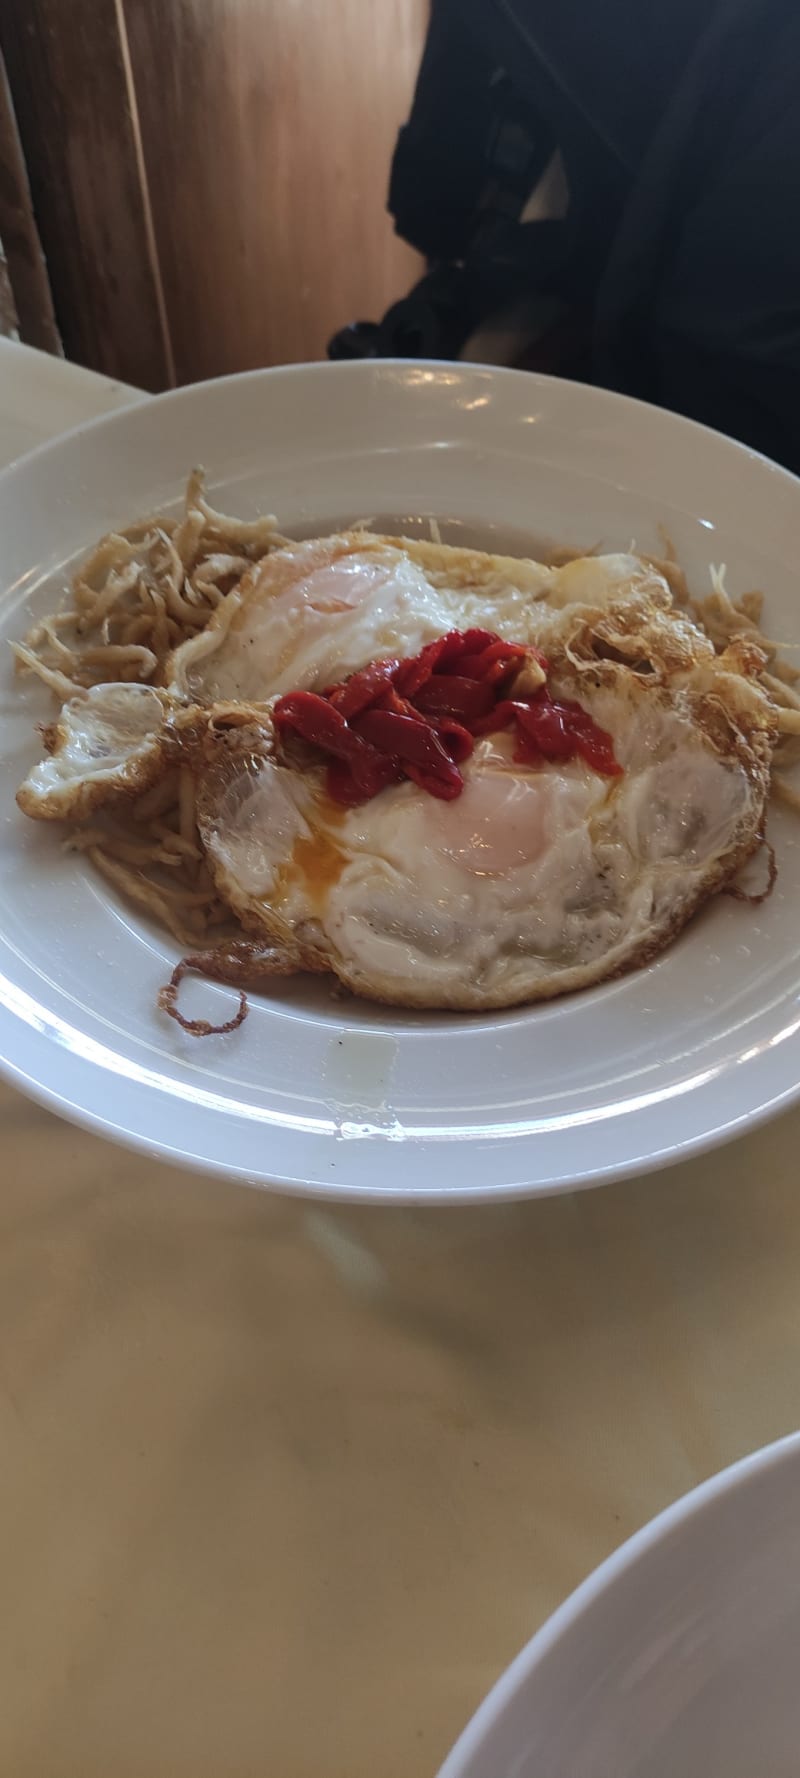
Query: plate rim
(366,367)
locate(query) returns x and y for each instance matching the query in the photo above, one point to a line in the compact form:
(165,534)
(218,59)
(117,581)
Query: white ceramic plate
(679,1658)
(344,1098)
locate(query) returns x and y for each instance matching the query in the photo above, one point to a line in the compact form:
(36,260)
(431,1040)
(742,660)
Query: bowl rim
(737,1476)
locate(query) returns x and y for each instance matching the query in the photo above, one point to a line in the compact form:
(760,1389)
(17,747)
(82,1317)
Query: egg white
(108,740)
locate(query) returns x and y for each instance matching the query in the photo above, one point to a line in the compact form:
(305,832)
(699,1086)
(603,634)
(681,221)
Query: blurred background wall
(207,178)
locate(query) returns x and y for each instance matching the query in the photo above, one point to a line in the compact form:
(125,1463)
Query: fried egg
(106,743)
(311,614)
(535,880)
(531,883)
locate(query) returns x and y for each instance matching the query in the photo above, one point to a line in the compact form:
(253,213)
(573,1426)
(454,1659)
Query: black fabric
(679,126)
(699,307)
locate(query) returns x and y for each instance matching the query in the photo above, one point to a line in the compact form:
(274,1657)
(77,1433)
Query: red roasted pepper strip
(490,662)
(455,738)
(350,790)
(315,720)
(362,689)
(413,673)
(446,789)
(500,717)
(559,730)
(461,642)
(450,695)
(545,724)
(412,742)
(418,718)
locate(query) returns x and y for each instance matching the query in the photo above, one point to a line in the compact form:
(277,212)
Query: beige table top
(282,1489)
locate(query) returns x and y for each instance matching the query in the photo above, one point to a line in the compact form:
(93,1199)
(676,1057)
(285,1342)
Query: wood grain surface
(72,97)
(267,129)
(27,304)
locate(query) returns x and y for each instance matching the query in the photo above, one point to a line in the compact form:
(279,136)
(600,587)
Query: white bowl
(678,1658)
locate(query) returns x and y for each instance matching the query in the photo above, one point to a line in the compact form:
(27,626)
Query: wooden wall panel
(267,128)
(72,97)
(24,275)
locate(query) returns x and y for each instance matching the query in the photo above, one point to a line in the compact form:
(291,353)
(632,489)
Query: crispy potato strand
(143,591)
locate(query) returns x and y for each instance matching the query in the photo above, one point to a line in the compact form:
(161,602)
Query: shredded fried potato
(143,591)
(138,595)
(162,873)
(724,618)
(168,1001)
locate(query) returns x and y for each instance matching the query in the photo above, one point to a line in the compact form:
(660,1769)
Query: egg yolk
(499,822)
(342,585)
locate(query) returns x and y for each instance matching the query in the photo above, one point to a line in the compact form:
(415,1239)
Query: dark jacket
(678,123)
